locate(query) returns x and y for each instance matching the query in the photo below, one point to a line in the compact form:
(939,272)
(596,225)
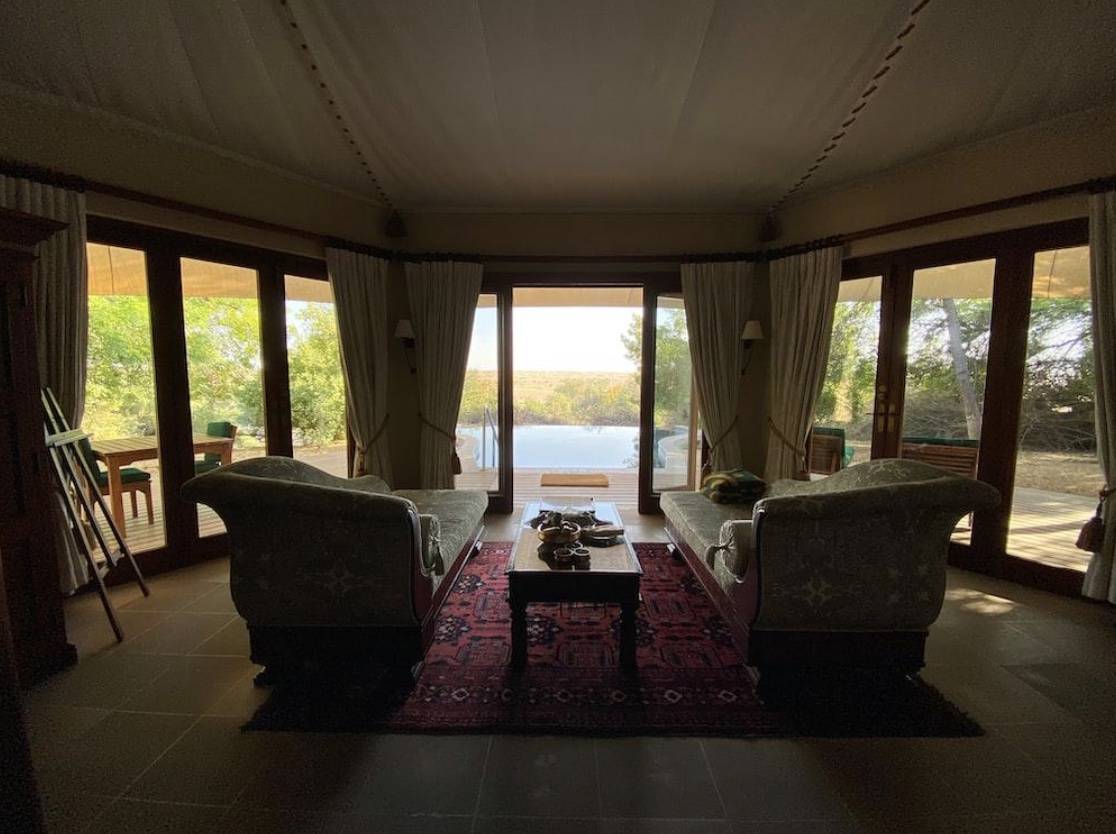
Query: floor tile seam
(597,777)
(712,778)
(480,784)
(160,757)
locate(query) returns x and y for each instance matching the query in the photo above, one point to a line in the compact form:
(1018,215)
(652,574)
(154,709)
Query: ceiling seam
(693,74)
(856,111)
(113,118)
(194,75)
(340,121)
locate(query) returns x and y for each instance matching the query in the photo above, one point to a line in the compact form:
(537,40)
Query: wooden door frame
(503,284)
(1014,252)
(163,252)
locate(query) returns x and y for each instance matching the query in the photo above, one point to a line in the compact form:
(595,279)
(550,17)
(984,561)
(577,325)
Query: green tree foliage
(672,364)
(120,382)
(223,357)
(317,385)
(1057,412)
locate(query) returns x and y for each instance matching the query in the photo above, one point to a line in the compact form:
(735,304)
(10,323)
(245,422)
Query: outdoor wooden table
(116,454)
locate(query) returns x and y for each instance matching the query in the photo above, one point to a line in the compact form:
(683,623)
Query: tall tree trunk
(961,369)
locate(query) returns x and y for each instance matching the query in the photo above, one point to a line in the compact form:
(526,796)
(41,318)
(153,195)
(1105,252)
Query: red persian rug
(691,679)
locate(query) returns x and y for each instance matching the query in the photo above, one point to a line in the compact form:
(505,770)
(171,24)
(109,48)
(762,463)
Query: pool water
(572,447)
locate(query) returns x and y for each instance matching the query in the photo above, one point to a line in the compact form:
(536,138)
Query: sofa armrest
(737,543)
(872,571)
(307,554)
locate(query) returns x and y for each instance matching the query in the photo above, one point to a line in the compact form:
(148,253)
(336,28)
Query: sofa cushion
(698,520)
(458,512)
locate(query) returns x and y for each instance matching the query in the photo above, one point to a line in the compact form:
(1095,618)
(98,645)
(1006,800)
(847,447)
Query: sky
(557,339)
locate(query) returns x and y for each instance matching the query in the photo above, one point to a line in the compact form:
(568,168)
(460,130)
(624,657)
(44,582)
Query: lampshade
(403,329)
(752,332)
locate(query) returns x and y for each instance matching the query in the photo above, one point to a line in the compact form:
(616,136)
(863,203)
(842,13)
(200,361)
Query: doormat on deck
(691,679)
(573,479)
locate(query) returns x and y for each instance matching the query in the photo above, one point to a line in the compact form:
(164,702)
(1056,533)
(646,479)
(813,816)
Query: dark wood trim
(20,809)
(978,247)
(648,501)
(504,499)
(891,363)
(572,278)
(114,232)
(273,355)
(172,395)
(15,168)
(1003,392)
(429,620)
(736,620)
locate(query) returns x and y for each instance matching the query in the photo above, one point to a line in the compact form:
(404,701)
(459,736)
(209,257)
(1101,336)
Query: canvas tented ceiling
(563,104)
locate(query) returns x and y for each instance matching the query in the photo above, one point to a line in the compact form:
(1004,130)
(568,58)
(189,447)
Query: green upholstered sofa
(337,572)
(846,572)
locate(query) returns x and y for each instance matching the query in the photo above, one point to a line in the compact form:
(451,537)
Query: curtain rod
(45,175)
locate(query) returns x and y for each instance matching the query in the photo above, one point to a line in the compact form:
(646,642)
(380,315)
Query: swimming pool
(571,447)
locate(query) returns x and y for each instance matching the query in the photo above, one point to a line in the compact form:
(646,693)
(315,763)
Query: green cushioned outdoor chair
(132,480)
(211,460)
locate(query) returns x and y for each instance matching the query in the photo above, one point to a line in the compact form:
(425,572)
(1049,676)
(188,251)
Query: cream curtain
(803,298)
(443,296)
(60,282)
(359,285)
(1100,578)
(718,298)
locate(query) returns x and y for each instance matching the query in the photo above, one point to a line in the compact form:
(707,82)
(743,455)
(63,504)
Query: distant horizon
(570,339)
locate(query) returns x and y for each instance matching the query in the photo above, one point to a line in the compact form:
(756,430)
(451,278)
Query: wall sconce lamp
(405,333)
(752,333)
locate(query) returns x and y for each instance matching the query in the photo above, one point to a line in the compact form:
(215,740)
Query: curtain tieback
(799,451)
(377,434)
(360,463)
(455,461)
(1091,537)
(724,434)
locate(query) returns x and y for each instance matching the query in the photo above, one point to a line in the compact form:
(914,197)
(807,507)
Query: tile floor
(143,737)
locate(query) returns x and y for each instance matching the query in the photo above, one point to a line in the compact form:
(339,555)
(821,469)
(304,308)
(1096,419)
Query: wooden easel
(77,484)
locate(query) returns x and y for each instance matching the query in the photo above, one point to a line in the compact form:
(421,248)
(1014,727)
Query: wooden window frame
(163,252)
(1014,252)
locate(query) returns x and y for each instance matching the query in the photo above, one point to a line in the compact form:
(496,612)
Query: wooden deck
(1044,525)
(622,490)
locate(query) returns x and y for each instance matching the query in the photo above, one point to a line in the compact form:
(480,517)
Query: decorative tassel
(1091,537)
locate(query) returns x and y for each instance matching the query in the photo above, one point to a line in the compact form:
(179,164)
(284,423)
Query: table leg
(226,454)
(518,634)
(628,634)
(116,496)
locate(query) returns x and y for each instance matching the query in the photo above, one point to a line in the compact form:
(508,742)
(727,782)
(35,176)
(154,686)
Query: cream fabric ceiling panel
(566,105)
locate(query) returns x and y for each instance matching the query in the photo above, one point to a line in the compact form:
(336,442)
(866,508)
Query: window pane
(478,420)
(843,418)
(675,427)
(120,413)
(221,310)
(947,360)
(316,382)
(1057,475)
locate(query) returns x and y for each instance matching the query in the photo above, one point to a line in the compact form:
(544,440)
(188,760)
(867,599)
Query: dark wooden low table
(612,576)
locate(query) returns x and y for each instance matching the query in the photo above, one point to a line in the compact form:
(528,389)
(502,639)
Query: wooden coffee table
(612,577)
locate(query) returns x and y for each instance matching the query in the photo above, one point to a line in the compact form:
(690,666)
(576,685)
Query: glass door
(479,434)
(121,412)
(670,447)
(221,313)
(1057,476)
(843,420)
